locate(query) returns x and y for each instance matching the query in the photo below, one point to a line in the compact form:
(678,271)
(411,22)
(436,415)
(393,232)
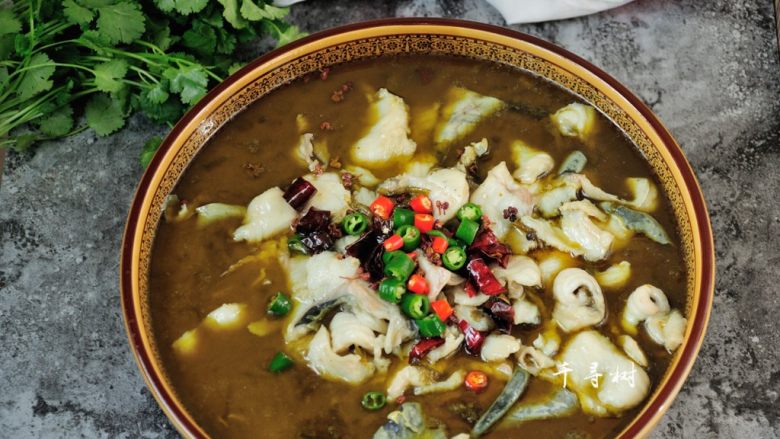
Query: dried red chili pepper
(424,346)
(502,313)
(470,289)
(487,243)
(480,273)
(299,192)
(473,338)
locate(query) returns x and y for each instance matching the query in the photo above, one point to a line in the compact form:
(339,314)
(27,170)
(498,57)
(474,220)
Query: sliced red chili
(417,284)
(442,309)
(382,207)
(473,338)
(480,273)
(424,222)
(476,381)
(439,244)
(393,243)
(421,204)
(424,346)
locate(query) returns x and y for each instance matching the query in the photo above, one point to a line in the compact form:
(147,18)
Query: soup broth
(225,382)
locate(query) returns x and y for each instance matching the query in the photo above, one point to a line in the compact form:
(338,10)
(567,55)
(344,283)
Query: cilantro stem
(144,74)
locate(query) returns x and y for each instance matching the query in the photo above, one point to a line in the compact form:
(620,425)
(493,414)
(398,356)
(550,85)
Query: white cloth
(533,11)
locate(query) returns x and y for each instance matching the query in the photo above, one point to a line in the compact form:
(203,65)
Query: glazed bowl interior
(419,37)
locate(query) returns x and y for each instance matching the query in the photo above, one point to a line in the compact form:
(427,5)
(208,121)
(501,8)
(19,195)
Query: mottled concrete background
(708,68)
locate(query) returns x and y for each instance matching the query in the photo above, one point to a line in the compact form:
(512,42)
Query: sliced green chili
(392,290)
(389,256)
(280,362)
(439,233)
(431,326)
(279,305)
(454,258)
(402,217)
(415,306)
(399,266)
(373,400)
(469,211)
(355,223)
(467,231)
(411,236)
(296,245)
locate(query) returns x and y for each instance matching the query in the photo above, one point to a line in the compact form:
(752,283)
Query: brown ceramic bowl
(419,36)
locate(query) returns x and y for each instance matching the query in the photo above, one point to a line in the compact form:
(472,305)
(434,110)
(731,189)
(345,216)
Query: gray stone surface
(708,68)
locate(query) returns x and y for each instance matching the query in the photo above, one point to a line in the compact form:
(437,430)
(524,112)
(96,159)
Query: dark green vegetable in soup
(506,399)
(373,400)
(465,141)
(280,362)
(280,304)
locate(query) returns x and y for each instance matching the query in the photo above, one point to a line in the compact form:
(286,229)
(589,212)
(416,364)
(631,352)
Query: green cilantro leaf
(109,75)
(231,13)
(104,114)
(150,147)
(159,93)
(96,3)
(201,38)
(76,13)
(24,142)
(189,82)
(253,12)
(121,22)
(167,112)
(37,78)
(226,42)
(58,123)
(9,24)
(158,32)
(184,7)
(235,67)
(283,32)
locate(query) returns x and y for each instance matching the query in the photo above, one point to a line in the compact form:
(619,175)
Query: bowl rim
(650,413)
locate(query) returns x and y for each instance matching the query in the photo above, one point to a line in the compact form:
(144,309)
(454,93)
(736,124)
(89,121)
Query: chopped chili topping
(476,381)
(442,309)
(421,204)
(382,207)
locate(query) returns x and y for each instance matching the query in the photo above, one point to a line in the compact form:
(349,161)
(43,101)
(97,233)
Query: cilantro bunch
(107,59)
